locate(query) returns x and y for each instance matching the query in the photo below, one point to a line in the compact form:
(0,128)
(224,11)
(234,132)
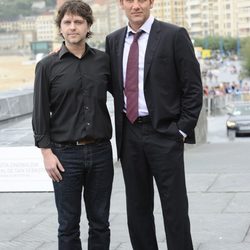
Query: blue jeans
(88,171)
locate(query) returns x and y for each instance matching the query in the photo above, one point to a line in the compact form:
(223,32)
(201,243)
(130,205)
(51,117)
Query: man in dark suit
(158,97)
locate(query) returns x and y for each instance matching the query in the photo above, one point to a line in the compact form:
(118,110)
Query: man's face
(137,11)
(74,29)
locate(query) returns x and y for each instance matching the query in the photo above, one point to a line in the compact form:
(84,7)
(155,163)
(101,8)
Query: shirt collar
(146,27)
(64,50)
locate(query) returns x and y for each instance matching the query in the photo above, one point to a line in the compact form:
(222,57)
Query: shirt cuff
(42,141)
(183,134)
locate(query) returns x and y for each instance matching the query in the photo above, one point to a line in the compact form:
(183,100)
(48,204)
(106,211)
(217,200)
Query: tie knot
(136,35)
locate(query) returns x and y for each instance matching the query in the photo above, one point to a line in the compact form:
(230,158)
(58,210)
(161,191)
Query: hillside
(11,10)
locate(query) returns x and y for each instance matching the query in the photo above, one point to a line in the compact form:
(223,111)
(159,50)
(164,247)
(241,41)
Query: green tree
(230,44)
(14,8)
(198,42)
(246,56)
(51,3)
(217,43)
(209,42)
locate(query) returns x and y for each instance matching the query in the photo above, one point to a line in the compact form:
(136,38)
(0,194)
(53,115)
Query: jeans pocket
(103,147)
(60,147)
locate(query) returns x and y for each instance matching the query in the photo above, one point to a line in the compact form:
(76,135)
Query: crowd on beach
(224,88)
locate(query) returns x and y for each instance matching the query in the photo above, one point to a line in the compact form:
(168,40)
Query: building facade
(243,28)
(218,17)
(45,27)
(201,17)
(170,11)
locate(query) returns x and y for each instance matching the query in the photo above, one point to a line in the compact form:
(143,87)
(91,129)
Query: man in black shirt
(72,127)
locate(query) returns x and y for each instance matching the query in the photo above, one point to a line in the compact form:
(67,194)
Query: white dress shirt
(142,43)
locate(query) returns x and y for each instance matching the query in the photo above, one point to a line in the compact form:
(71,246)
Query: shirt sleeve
(41,107)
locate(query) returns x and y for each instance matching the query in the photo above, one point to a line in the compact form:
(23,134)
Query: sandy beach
(16,72)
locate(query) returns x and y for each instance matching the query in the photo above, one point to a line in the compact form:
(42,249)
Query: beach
(16,72)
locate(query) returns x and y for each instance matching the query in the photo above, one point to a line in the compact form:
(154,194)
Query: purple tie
(131,82)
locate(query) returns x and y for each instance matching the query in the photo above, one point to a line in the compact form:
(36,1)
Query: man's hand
(54,51)
(52,164)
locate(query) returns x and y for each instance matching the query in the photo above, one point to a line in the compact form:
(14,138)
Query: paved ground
(218,182)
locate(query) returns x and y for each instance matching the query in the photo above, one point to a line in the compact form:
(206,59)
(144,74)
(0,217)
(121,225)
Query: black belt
(77,143)
(143,119)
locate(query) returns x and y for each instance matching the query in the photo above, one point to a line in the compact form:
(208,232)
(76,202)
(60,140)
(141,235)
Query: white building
(218,17)
(45,27)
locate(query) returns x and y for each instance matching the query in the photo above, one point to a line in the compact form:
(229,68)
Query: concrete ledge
(201,128)
(15,103)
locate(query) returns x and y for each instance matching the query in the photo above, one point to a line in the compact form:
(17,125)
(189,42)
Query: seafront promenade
(218,183)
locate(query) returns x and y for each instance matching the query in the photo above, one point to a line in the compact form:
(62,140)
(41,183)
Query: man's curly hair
(75,7)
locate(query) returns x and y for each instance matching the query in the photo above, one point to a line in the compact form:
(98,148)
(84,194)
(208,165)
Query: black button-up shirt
(70,97)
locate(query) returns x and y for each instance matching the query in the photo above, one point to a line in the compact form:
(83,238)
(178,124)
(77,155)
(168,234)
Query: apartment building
(243,28)
(45,27)
(218,17)
(100,26)
(23,24)
(201,17)
(170,11)
(9,26)
(17,33)
(160,10)
(228,15)
(117,18)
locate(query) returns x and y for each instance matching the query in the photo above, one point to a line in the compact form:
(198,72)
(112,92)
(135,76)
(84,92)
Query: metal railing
(217,104)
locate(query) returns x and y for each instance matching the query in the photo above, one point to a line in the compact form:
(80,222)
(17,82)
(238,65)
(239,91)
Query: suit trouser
(147,154)
(88,173)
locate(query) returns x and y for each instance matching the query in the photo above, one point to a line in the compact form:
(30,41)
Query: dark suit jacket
(172,82)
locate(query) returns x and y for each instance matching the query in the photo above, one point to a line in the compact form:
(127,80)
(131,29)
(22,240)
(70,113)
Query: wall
(15,103)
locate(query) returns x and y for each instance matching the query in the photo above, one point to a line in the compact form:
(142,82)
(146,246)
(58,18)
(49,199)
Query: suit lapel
(153,40)
(119,54)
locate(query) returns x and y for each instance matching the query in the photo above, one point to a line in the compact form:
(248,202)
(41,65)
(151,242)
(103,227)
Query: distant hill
(11,10)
